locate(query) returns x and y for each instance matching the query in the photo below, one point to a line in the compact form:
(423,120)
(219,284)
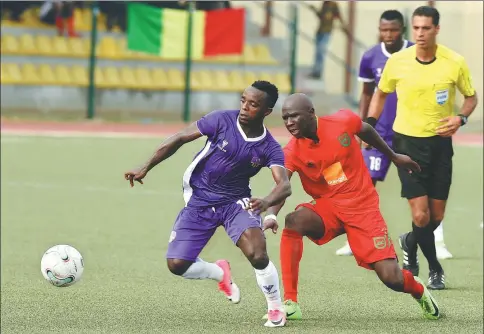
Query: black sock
(412,241)
(426,241)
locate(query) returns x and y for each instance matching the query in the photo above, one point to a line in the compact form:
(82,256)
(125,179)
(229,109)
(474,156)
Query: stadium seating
(114,49)
(111,77)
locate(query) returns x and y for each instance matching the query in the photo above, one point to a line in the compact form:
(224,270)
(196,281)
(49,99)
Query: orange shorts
(367,232)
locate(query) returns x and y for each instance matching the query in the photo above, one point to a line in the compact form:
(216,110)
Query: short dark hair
(428,11)
(391,15)
(268,88)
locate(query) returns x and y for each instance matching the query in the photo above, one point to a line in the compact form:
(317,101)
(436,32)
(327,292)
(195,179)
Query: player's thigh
(377,163)
(191,232)
(441,177)
(368,238)
(236,221)
(316,220)
(420,150)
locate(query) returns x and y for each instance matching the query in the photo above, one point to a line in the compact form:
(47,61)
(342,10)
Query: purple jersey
(371,68)
(220,173)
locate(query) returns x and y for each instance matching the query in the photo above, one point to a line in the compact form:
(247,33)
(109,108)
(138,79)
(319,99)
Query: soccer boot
(410,259)
(345,250)
(436,280)
(442,252)
(293,311)
(427,303)
(275,318)
(227,285)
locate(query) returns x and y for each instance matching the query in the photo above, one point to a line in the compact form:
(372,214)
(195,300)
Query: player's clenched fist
(270,223)
(258,205)
(135,175)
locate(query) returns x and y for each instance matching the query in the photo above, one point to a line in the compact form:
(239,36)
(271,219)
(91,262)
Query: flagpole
(188,62)
(294,36)
(91,92)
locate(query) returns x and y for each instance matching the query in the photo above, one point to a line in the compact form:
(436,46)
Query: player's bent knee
(421,218)
(258,260)
(177,266)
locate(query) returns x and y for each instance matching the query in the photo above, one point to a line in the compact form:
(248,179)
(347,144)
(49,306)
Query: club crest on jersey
(441,96)
(378,72)
(344,139)
(255,162)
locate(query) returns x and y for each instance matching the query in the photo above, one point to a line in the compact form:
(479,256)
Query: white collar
(387,54)
(245,136)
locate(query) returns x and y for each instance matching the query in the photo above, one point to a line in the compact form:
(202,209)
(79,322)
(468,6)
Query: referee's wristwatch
(463,119)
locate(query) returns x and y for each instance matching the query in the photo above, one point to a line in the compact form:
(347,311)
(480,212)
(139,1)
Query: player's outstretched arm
(370,136)
(270,220)
(164,151)
(279,193)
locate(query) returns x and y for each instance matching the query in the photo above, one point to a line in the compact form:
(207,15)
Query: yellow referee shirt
(426,91)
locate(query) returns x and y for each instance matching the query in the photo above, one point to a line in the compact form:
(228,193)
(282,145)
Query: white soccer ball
(62,265)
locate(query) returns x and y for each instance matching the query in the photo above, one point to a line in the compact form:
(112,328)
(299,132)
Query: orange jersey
(334,168)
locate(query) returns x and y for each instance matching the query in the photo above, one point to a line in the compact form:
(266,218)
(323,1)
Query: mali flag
(163,32)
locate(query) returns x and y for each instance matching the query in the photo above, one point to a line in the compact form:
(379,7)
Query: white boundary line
(130,135)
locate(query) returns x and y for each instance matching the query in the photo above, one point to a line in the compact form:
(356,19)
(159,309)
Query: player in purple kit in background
(217,193)
(391,29)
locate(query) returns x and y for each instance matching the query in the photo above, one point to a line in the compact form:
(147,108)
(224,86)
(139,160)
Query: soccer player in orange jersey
(332,170)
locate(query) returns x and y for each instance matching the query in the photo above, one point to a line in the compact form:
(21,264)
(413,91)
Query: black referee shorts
(434,155)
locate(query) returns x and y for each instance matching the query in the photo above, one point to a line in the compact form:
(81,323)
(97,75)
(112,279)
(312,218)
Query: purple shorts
(194,227)
(376,162)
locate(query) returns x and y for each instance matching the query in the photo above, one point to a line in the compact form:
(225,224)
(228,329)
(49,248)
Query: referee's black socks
(426,240)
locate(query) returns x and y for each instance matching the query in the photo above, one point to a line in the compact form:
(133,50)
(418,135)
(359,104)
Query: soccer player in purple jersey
(371,66)
(217,193)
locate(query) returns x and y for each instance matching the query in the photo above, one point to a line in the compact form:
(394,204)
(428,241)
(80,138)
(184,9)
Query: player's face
(390,32)
(424,31)
(297,121)
(253,106)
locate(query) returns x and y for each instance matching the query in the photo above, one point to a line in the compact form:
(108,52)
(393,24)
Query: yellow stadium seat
(202,81)
(27,45)
(30,75)
(176,80)
(82,19)
(250,77)
(160,79)
(239,83)
(108,48)
(249,56)
(265,76)
(44,45)
(100,78)
(47,75)
(263,54)
(112,77)
(78,47)
(128,78)
(4,75)
(63,75)
(222,81)
(60,46)
(80,77)
(143,77)
(13,75)
(283,82)
(10,45)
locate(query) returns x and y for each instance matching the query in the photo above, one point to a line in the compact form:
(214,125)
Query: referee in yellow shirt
(425,77)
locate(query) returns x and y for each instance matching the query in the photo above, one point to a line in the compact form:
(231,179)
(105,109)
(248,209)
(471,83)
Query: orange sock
(291,254)
(411,286)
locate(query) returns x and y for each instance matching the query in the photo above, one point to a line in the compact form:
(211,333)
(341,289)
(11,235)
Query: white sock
(268,281)
(439,234)
(204,270)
